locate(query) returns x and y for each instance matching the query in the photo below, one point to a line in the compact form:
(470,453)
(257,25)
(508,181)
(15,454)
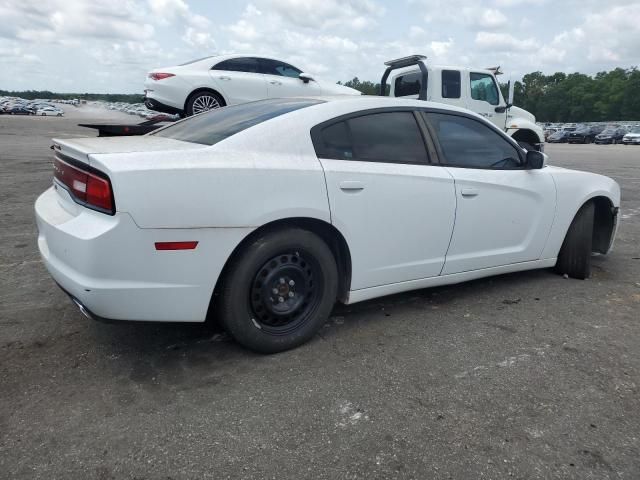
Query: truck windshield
(214,126)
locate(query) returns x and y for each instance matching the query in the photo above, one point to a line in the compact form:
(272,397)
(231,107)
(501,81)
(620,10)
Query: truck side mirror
(511,86)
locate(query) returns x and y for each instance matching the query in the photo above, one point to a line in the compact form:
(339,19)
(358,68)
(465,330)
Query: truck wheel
(279,291)
(575,255)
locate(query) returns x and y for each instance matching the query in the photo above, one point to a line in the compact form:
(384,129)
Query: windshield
(635,130)
(214,126)
(609,131)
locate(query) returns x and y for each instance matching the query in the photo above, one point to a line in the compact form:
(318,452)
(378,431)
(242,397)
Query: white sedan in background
(214,82)
(263,215)
(49,111)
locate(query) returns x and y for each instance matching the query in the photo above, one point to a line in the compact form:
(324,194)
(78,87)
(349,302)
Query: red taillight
(85,187)
(160,75)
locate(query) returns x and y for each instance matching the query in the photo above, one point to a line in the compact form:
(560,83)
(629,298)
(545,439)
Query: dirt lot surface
(526,376)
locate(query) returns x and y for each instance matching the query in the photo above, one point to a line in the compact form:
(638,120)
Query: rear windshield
(212,127)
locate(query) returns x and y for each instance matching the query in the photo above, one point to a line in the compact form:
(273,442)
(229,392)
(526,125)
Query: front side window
(408,84)
(275,67)
(216,125)
(484,88)
(243,64)
(469,143)
(390,137)
(450,84)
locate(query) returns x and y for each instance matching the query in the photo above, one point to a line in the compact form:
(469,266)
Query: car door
(504,210)
(484,97)
(283,81)
(395,210)
(239,80)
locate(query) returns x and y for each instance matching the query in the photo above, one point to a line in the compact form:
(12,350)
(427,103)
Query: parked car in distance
(548,132)
(633,137)
(213,82)
(584,134)
(610,135)
(325,226)
(49,111)
(20,110)
(561,136)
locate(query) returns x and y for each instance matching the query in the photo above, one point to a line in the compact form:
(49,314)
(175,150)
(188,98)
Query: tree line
(561,97)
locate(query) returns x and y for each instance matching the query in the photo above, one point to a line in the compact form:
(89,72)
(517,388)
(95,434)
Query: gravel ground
(527,375)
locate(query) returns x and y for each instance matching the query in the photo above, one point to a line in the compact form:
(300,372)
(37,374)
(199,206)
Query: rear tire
(575,255)
(279,291)
(203,101)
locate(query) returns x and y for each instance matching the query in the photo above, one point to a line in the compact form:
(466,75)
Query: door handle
(351,186)
(469,192)
(275,82)
(224,78)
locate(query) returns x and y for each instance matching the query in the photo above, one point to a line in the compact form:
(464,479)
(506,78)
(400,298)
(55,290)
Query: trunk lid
(79,149)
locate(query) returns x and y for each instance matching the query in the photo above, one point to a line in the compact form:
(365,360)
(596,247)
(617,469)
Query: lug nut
(281,299)
(292,283)
(290,294)
(275,291)
(282,280)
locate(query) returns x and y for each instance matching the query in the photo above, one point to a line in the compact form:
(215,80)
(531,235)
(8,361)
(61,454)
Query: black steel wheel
(278,291)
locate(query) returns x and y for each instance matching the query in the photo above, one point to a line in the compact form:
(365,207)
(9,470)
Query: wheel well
(330,234)
(525,135)
(204,89)
(603,224)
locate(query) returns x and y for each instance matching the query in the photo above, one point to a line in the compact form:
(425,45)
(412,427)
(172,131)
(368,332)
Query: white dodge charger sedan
(263,215)
(215,82)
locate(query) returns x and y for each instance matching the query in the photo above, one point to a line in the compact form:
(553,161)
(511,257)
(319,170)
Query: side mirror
(305,77)
(503,109)
(535,159)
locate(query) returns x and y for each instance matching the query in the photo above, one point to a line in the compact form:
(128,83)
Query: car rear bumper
(110,266)
(156,105)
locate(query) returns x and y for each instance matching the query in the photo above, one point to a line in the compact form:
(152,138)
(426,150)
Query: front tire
(575,255)
(279,291)
(203,101)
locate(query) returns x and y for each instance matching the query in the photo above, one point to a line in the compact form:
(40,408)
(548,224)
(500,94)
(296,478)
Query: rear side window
(469,143)
(214,126)
(275,67)
(244,64)
(450,84)
(390,137)
(408,84)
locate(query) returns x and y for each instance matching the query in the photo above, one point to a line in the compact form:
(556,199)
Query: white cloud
(505,42)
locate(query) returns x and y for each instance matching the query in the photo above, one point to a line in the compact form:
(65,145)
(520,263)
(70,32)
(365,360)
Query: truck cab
(475,89)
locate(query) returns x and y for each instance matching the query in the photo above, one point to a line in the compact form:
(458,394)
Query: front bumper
(110,266)
(603,141)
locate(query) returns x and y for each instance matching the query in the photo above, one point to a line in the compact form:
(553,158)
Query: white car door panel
(279,86)
(240,87)
(503,217)
(396,218)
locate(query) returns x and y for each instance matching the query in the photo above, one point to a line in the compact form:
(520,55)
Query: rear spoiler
(406,62)
(124,130)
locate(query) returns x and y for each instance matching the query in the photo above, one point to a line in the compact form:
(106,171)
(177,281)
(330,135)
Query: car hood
(632,135)
(517,112)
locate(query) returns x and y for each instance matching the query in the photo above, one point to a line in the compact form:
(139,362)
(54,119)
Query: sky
(109,46)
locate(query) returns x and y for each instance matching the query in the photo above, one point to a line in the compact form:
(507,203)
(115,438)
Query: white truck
(475,89)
